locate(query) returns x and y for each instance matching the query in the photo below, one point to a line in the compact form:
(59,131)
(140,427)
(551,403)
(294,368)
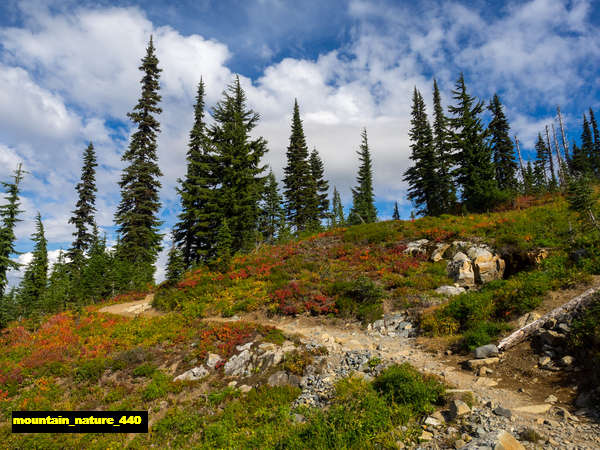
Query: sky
(69,75)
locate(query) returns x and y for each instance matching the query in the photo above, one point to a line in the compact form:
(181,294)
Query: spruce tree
(321,187)
(337,210)
(195,232)
(96,278)
(83,215)
(587,146)
(578,161)
(8,215)
(175,264)
(363,206)
(35,279)
(540,165)
(528,179)
(475,172)
(298,189)
(238,167)
(271,213)
(59,285)
(595,156)
(581,199)
(503,153)
(443,155)
(137,214)
(224,244)
(396,214)
(423,188)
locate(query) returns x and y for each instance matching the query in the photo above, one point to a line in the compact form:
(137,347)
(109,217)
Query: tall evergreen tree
(96,278)
(224,242)
(337,209)
(540,165)
(271,213)
(297,180)
(579,163)
(8,215)
(175,264)
(363,206)
(475,172)
(35,278)
(83,215)
(321,189)
(503,153)
(195,233)
(238,165)
(528,179)
(137,213)
(396,214)
(59,285)
(595,157)
(423,188)
(443,155)
(587,145)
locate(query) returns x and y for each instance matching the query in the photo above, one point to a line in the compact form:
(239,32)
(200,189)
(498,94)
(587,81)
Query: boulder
(212,360)
(237,364)
(485,351)
(426,436)
(487,266)
(527,319)
(460,269)
(503,440)
(279,378)
(193,374)
(567,361)
(438,252)
(417,247)
(477,363)
(458,408)
(534,409)
(504,412)
(450,291)
(244,388)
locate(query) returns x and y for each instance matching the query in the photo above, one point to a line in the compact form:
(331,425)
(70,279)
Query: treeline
(460,165)
(229,204)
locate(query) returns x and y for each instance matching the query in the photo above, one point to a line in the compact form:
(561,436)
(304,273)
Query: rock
(485,382)
(379,325)
(193,374)
(458,408)
(438,416)
(476,363)
(459,443)
(534,409)
(438,252)
(544,361)
(244,388)
(506,441)
(567,361)
(295,380)
(426,436)
(527,319)
(500,411)
(551,399)
(417,247)
(460,269)
(212,360)
(537,256)
(483,371)
(487,267)
(485,351)
(246,346)
(236,366)
(279,378)
(563,327)
(432,421)
(299,418)
(550,338)
(232,383)
(450,291)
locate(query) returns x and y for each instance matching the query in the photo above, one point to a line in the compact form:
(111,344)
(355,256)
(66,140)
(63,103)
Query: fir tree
(194,233)
(578,161)
(396,214)
(136,215)
(502,148)
(175,264)
(35,278)
(83,215)
(528,179)
(363,206)
(595,156)
(587,146)
(8,215)
(443,155)
(223,246)
(423,188)
(475,172)
(321,186)
(540,165)
(337,210)
(271,213)
(580,197)
(59,285)
(298,189)
(96,278)
(238,166)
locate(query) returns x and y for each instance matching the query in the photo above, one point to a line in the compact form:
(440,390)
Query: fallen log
(562,311)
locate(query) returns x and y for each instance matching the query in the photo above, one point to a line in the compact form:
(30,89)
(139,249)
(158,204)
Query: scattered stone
(193,374)
(551,399)
(432,421)
(299,418)
(458,408)
(244,388)
(459,443)
(232,383)
(426,436)
(246,346)
(438,416)
(417,247)
(460,269)
(506,441)
(567,361)
(477,363)
(438,252)
(236,366)
(279,378)
(450,291)
(485,382)
(504,412)
(486,351)
(212,360)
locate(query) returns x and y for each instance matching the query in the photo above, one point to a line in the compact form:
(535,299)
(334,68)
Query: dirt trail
(133,309)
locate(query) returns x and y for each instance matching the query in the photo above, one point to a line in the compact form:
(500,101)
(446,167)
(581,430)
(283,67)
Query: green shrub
(128,358)
(371,233)
(481,334)
(89,371)
(584,339)
(158,387)
(144,370)
(360,298)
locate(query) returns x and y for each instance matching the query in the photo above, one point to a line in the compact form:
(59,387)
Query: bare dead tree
(561,164)
(520,159)
(562,130)
(550,157)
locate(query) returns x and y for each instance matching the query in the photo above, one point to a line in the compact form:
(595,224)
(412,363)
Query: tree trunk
(520,159)
(562,130)
(551,158)
(562,311)
(561,166)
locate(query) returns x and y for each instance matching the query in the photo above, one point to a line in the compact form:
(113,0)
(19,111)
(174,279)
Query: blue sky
(68,74)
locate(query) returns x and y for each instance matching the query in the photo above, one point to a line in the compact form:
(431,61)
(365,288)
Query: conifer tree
(83,215)
(8,215)
(475,172)
(587,146)
(35,278)
(528,179)
(578,161)
(96,278)
(271,213)
(321,186)
(337,209)
(298,189)
(363,206)
(58,291)
(223,246)
(580,196)
(595,156)
(540,165)
(396,214)
(423,188)
(175,264)
(503,153)
(194,233)
(238,167)
(137,213)
(443,154)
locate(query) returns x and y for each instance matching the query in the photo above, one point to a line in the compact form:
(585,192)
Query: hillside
(340,339)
